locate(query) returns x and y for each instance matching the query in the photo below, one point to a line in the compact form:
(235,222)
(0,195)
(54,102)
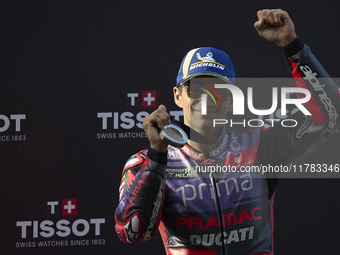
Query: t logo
(69,207)
(149,98)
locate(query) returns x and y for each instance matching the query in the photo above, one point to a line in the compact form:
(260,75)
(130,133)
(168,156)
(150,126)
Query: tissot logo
(41,231)
(148,99)
(128,123)
(10,126)
(13,119)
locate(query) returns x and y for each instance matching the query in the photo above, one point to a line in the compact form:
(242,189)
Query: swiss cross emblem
(149,98)
(69,207)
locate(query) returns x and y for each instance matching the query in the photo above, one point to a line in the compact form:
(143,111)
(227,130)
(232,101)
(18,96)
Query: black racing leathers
(202,212)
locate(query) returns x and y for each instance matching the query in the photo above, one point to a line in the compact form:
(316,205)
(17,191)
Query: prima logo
(242,184)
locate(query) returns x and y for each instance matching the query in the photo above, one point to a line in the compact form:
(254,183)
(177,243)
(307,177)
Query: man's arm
(141,191)
(286,145)
(142,186)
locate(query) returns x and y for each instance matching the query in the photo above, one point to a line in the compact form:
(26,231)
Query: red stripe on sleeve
(146,162)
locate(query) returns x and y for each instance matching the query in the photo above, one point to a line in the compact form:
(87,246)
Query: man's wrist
(157,156)
(292,48)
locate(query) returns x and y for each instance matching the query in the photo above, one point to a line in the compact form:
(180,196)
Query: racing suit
(203,212)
